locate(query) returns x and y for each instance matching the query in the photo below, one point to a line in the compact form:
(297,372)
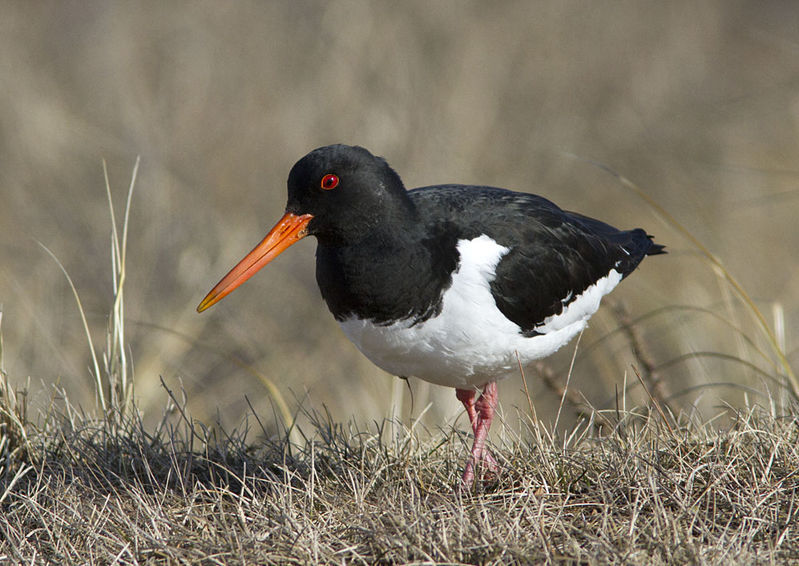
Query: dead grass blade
(98,378)
(654,400)
(121,384)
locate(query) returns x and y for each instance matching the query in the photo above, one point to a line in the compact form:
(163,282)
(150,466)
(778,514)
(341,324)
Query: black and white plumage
(446,283)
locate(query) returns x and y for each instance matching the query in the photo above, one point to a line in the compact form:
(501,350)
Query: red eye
(329,181)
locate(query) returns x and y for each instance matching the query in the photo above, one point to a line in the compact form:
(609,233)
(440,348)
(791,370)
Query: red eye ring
(329,182)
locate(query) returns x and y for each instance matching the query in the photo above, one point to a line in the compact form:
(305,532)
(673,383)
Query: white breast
(471,342)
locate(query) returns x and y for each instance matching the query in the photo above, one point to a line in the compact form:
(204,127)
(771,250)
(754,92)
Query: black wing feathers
(554,255)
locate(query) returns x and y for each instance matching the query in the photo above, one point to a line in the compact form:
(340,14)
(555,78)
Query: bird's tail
(655,249)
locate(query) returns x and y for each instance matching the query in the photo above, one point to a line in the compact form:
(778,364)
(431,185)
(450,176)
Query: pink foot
(481,412)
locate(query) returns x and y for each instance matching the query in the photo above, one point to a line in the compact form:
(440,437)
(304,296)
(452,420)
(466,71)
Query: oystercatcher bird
(453,284)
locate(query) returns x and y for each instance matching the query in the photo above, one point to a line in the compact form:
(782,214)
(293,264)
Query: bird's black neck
(417,266)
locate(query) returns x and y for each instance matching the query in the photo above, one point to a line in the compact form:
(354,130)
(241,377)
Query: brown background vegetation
(696,102)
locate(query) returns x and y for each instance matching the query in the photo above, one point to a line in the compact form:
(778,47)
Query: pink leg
(467,397)
(485,414)
(481,413)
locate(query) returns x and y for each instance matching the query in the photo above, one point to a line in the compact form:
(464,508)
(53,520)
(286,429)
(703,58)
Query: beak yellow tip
(203,305)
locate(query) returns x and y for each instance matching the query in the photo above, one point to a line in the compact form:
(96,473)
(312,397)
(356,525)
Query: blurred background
(697,103)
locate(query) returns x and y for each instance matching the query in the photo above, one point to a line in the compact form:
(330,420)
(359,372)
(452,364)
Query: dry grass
(91,490)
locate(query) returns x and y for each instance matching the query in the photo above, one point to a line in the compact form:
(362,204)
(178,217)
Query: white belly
(471,342)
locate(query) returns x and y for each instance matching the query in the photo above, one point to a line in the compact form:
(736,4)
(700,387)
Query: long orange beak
(289,229)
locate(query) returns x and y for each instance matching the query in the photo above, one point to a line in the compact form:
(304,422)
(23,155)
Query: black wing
(554,255)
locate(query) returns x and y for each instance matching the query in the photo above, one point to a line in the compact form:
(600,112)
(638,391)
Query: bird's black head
(341,194)
(348,191)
